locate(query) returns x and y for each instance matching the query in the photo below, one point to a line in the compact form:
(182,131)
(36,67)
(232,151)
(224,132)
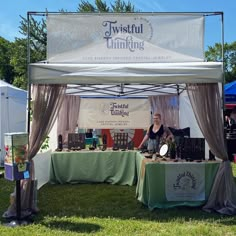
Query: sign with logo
(114,113)
(125,38)
(185,182)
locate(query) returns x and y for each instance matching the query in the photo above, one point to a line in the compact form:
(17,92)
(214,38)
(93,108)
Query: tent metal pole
(223,79)
(28,74)
(223,62)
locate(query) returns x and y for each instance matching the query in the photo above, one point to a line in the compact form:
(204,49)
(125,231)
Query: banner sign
(125,38)
(114,113)
(185,182)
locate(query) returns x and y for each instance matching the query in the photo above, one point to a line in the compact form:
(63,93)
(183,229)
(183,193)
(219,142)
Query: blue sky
(12,9)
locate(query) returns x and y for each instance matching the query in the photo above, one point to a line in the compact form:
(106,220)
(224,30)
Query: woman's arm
(145,138)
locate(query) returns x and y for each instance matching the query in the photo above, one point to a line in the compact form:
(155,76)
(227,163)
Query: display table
(154,179)
(115,167)
(151,186)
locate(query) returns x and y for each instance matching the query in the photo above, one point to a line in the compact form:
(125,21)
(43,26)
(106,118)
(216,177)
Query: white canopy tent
(120,54)
(65,66)
(13,103)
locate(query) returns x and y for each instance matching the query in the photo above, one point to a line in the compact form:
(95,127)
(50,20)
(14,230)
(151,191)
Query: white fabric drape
(68,116)
(206,103)
(168,107)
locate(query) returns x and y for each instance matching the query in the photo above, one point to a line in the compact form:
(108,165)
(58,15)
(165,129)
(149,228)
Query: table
(151,186)
(127,168)
(115,167)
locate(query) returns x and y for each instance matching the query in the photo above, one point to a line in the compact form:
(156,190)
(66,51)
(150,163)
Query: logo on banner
(185,181)
(116,109)
(127,36)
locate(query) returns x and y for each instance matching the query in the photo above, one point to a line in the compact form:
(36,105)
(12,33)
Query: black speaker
(59,142)
(193,148)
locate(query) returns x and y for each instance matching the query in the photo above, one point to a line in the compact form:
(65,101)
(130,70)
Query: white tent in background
(13,102)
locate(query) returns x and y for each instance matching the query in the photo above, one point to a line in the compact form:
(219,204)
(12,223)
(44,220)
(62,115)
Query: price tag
(26,175)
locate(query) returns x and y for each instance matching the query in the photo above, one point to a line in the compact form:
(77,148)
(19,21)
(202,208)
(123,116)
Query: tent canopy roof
(139,73)
(230,88)
(13,91)
(142,79)
(123,90)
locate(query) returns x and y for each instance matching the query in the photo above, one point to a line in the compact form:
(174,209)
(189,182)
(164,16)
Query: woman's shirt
(153,135)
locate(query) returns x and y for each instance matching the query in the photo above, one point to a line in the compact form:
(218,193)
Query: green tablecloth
(124,168)
(115,167)
(151,184)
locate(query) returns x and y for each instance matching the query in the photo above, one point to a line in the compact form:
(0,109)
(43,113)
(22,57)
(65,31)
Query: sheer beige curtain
(68,116)
(206,103)
(46,103)
(168,107)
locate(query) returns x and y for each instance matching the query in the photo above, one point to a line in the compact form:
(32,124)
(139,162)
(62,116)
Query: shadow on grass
(113,201)
(63,225)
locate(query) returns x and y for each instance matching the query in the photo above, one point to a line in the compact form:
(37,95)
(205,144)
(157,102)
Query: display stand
(16,168)
(18,221)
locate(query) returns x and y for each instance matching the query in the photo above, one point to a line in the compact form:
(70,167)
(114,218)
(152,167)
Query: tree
(6,70)
(38,40)
(101,6)
(19,63)
(38,37)
(215,54)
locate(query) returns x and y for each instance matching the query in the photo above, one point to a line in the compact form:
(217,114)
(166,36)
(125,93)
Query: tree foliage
(6,69)
(101,6)
(37,37)
(19,62)
(215,54)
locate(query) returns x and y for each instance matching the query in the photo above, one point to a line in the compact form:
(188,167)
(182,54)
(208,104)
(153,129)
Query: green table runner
(115,167)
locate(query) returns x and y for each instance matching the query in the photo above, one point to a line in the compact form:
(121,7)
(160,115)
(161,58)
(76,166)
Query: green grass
(103,209)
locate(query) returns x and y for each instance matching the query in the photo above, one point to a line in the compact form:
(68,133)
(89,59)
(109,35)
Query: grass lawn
(103,209)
